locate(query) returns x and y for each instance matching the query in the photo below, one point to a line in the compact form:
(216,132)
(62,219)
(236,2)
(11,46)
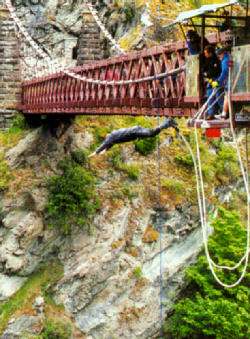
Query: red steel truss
(60,93)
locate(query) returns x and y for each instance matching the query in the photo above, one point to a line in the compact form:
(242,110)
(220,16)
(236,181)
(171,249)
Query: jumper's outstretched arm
(133,133)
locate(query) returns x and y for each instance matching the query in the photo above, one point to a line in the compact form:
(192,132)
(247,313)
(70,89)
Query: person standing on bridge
(217,98)
(211,71)
(194,42)
(222,82)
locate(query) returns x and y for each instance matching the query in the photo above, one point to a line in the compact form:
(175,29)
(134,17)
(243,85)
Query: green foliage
(5,174)
(124,191)
(173,186)
(80,157)
(101,133)
(129,11)
(211,311)
(128,192)
(55,329)
(72,198)
(18,123)
(137,272)
(146,146)
(184,160)
(221,165)
(131,170)
(226,164)
(209,318)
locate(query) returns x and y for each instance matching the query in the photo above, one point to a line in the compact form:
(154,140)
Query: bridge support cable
(103,28)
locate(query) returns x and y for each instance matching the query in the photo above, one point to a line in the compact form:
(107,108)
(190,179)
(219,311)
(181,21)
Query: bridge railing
(60,93)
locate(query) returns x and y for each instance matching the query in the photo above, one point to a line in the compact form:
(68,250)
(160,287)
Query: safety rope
(160,229)
(202,208)
(55,66)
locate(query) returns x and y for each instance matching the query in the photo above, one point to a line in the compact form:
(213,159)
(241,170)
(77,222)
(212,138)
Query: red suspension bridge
(163,80)
(157,90)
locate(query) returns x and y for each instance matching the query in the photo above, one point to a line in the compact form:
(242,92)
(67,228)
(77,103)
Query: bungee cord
(202,205)
(200,199)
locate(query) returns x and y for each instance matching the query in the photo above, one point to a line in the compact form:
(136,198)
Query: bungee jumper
(132,133)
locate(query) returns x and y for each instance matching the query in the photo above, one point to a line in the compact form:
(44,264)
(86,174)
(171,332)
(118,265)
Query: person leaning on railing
(222,81)
(211,68)
(220,86)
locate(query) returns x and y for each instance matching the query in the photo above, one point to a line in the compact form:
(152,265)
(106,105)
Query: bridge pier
(10,80)
(89,42)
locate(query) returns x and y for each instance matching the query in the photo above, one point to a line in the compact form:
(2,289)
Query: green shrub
(129,11)
(146,146)
(128,192)
(173,186)
(55,329)
(210,311)
(80,157)
(184,160)
(101,133)
(131,170)
(137,272)
(209,318)
(72,198)
(5,175)
(226,163)
(18,123)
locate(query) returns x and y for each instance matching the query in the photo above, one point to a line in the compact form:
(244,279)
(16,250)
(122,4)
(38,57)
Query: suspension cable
(93,11)
(60,68)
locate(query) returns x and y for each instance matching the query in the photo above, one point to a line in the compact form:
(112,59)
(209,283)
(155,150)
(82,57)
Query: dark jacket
(128,134)
(211,67)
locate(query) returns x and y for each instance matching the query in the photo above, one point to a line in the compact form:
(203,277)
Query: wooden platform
(209,123)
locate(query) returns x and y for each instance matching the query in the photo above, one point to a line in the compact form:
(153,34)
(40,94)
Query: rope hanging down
(202,201)
(59,68)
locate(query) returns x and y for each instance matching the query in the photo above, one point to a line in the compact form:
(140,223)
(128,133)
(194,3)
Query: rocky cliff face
(112,277)
(136,254)
(101,288)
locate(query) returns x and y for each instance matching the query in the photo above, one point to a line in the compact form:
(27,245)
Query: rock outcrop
(112,278)
(24,239)
(101,288)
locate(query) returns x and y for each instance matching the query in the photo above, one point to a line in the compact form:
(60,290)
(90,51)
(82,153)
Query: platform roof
(184,16)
